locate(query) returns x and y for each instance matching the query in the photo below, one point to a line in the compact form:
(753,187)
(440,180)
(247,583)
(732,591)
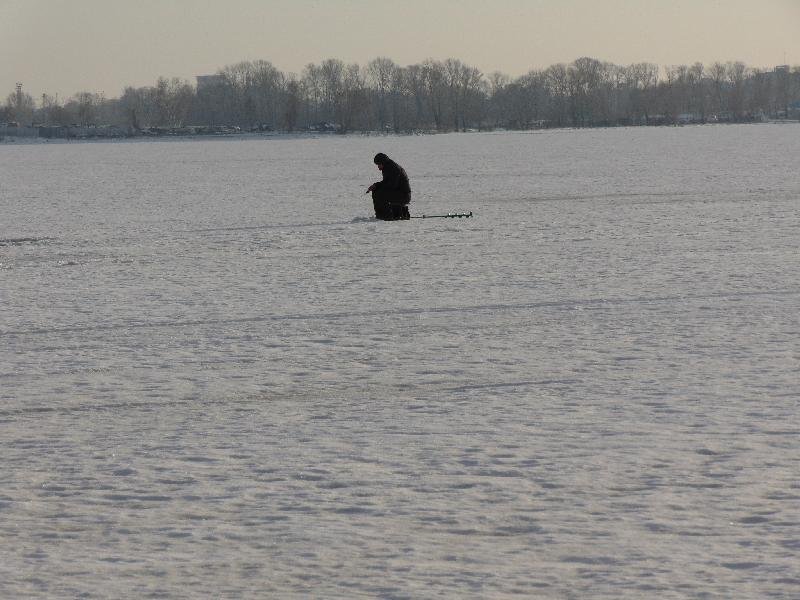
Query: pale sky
(67,46)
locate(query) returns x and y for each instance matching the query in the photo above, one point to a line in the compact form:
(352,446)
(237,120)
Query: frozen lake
(220,377)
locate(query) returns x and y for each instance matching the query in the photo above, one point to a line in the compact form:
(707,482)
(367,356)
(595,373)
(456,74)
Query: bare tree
(462,85)
(522,100)
(332,74)
(736,72)
(293,102)
(266,91)
(380,74)
(85,107)
(474,92)
(19,106)
(452,71)
(435,86)
(698,95)
(401,94)
(53,113)
(312,84)
(418,86)
(133,107)
(498,83)
(761,93)
(642,81)
(585,77)
(173,101)
(556,80)
(717,74)
(671,92)
(353,101)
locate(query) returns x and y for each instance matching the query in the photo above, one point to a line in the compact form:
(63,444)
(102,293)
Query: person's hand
(370,188)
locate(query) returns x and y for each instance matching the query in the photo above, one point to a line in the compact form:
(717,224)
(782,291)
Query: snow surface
(219,377)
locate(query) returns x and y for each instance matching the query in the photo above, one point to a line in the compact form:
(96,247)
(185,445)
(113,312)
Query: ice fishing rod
(447,216)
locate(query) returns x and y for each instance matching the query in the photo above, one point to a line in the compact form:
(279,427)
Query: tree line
(434,95)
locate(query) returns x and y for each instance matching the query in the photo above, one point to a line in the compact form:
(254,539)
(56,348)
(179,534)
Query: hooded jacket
(395,180)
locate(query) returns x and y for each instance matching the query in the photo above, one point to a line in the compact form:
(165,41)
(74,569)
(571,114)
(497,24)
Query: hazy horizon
(61,47)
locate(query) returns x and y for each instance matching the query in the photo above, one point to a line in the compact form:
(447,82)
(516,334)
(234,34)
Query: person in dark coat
(391,195)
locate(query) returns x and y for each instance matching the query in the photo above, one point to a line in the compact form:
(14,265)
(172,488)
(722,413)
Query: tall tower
(18,105)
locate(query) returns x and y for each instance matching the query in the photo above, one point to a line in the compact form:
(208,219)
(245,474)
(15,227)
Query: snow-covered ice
(219,377)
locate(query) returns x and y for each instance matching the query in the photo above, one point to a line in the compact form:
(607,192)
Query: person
(391,195)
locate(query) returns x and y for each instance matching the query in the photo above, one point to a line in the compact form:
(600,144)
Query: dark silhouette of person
(391,195)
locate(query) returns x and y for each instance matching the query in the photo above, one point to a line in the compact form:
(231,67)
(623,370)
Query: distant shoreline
(28,141)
